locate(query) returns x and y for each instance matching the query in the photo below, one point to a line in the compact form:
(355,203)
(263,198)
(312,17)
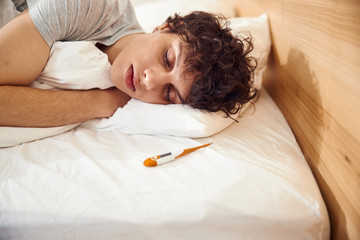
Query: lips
(129,78)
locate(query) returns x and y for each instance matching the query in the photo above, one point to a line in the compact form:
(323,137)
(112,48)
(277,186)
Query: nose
(154,79)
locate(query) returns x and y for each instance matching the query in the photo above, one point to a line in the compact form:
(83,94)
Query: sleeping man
(192,59)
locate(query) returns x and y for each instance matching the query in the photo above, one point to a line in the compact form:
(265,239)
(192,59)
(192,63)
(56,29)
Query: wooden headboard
(314,78)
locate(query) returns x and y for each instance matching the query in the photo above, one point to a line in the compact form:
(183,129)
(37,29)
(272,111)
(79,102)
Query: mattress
(251,183)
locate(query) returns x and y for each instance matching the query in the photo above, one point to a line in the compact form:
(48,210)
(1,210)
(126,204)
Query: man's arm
(30,107)
(23,55)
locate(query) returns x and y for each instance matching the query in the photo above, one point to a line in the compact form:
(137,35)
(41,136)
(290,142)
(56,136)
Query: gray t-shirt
(102,21)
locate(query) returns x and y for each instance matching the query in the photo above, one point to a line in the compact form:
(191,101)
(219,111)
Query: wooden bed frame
(314,77)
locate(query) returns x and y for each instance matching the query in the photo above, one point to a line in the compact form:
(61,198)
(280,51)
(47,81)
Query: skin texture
(154,58)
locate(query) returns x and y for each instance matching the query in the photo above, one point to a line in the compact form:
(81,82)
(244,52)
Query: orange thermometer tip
(150,163)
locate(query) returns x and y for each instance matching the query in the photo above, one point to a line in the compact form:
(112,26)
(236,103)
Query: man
(187,60)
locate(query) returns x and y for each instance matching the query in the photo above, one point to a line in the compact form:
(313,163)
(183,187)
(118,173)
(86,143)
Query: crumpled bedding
(252,183)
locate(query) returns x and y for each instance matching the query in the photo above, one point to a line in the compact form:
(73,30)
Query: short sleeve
(103,21)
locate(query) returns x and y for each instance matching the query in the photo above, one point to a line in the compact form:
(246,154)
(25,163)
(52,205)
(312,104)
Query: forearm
(29,107)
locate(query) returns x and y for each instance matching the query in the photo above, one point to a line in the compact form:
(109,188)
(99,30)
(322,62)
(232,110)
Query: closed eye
(168,94)
(166,58)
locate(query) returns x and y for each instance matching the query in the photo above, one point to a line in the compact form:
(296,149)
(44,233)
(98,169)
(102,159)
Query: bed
(88,181)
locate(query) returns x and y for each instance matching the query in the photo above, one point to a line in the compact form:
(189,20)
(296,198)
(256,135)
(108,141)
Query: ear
(161,27)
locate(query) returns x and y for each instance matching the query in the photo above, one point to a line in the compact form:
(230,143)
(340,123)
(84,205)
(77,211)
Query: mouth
(129,78)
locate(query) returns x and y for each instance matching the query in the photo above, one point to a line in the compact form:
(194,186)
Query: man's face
(150,68)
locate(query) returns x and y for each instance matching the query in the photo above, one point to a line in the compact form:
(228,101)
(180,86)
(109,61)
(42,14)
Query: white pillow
(153,119)
(155,13)
(68,58)
(258,27)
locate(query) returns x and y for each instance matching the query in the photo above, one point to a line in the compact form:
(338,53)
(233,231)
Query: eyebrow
(178,60)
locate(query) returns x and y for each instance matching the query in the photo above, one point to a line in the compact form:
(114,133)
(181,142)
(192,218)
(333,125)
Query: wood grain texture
(314,77)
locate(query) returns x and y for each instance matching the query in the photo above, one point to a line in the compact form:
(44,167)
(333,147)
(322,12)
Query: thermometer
(167,157)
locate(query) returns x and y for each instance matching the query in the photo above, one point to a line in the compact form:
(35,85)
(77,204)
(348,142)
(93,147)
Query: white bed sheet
(252,183)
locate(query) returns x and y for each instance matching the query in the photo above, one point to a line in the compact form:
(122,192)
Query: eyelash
(166,59)
(168,93)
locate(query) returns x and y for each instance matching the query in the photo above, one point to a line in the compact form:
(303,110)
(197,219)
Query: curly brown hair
(221,62)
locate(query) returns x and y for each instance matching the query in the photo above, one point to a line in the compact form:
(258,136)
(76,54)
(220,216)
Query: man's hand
(113,99)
